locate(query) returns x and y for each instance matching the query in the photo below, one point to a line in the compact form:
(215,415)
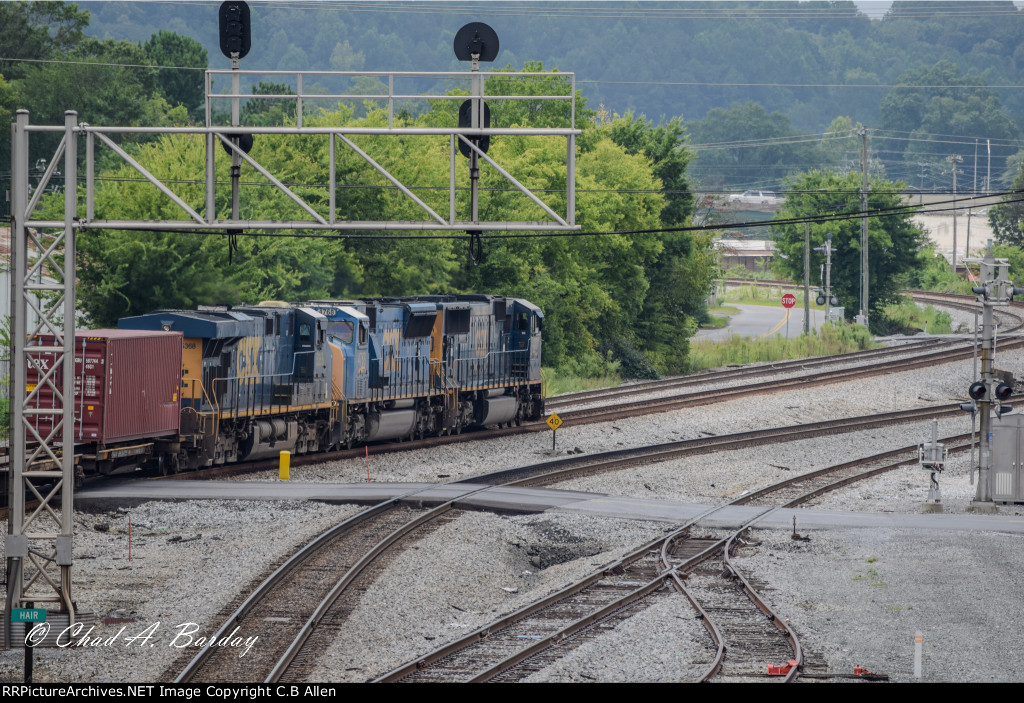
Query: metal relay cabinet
(1008,459)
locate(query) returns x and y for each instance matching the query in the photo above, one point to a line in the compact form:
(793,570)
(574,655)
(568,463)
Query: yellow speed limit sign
(554,422)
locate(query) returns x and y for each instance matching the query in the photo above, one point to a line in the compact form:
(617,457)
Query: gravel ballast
(189,559)
(431,590)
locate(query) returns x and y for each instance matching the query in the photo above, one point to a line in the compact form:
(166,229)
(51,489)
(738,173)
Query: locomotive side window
(362,334)
(456,321)
(342,330)
(523,321)
(268,327)
(305,333)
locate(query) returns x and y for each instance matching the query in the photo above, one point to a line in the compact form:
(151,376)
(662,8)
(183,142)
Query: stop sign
(788,300)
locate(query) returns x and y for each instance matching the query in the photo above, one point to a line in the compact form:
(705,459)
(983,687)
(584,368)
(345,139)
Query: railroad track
(930,357)
(289,604)
(307,599)
(747,634)
(732,374)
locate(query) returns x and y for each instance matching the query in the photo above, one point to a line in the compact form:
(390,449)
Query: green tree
(939,100)
(37,30)
(665,146)
(180,86)
(1007,218)
(894,241)
(741,161)
(269,112)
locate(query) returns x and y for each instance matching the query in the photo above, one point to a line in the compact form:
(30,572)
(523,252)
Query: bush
(632,363)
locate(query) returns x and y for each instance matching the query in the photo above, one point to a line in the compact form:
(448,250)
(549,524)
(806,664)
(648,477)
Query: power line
(958,204)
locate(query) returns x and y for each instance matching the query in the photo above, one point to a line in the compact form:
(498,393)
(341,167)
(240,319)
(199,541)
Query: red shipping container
(131,382)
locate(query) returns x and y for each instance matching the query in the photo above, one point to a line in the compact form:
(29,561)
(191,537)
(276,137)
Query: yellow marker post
(554,422)
(286,463)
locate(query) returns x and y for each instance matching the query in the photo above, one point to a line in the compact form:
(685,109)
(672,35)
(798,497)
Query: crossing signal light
(1003,391)
(977,390)
(235,38)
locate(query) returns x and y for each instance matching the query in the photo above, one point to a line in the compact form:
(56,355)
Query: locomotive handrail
(503,371)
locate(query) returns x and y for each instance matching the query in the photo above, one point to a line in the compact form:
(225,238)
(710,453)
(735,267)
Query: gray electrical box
(1008,459)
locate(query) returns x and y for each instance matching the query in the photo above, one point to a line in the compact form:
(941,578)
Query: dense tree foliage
(180,87)
(1007,218)
(894,241)
(49,65)
(810,60)
(939,102)
(605,293)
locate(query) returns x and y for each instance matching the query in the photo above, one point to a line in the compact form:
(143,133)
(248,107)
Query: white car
(757,197)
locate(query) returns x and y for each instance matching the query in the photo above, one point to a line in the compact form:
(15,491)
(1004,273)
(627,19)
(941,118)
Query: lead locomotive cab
(255,381)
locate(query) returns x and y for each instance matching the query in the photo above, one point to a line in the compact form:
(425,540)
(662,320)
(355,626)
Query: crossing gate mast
(38,546)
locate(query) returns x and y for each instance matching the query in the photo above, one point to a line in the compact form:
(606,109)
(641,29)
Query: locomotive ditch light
(977,390)
(478,40)
(235,37)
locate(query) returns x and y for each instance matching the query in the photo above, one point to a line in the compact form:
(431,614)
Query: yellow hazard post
(286,463)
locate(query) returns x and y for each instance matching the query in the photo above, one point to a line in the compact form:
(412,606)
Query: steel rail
(671,572)
(277,576)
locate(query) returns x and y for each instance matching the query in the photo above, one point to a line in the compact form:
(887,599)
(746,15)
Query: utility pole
(988,175)
(954,159)
(863,317)
(920,199)
(807,277)
(994,288)
(975,191)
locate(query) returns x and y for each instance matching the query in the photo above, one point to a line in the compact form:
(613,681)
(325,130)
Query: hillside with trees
(672,98)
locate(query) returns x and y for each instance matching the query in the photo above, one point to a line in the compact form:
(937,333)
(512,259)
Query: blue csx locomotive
(256,380)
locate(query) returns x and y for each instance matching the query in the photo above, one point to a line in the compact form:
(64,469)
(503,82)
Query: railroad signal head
(465,119)
(478,40)
(244,142)
(235,37)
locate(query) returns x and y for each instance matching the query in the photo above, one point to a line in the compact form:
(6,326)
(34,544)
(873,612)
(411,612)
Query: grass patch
(743,350)
(716,322)
(723,310)
(557,381)
(909,318)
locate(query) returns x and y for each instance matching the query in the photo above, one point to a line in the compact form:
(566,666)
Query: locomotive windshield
(342,331)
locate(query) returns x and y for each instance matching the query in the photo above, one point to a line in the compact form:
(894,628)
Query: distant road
(763,321)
